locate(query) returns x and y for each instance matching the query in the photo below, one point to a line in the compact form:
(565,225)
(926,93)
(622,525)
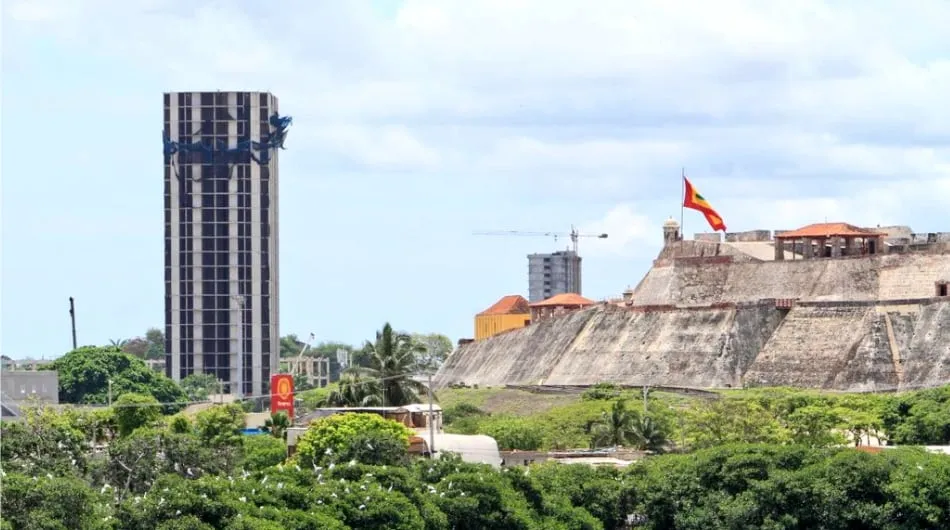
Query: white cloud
(775,107)
(629,234)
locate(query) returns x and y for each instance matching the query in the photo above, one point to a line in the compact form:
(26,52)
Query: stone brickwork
(708,317)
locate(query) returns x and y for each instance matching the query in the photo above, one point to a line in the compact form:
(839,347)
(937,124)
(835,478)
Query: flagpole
(682,204)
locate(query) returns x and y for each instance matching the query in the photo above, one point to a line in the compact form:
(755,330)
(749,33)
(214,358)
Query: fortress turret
(671,231)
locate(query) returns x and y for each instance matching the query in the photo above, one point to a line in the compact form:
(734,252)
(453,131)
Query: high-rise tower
(553,273)
(221,246)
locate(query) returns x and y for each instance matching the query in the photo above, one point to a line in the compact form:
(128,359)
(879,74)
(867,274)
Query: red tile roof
(829,230)
(564,299)
(513,304)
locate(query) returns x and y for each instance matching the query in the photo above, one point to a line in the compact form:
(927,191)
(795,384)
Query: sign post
(282,394)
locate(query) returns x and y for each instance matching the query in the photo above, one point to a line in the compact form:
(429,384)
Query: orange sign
(282,394)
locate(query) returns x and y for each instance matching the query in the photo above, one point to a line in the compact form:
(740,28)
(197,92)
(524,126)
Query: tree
(354,390)
(261,452)
(434,349)
(290,346)
(615,427)
(156,343)
(392,360)
(277,425)
(135,410)
(328,438)
(84,376)
(199,386)
(151,346)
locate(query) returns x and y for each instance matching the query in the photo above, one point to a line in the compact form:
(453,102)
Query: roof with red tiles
(564,299)
(829,230)
(513,304)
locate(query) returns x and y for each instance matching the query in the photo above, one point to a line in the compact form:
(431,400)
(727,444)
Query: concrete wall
(858,347)
(663,346)
(699,282)
(704,317)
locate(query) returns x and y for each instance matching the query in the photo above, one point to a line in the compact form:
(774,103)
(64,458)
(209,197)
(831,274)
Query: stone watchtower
(671,232)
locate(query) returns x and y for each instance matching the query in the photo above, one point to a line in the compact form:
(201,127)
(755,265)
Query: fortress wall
(925,344)
(698,347)
(839,347)
(520,356)
(706,281)
(915,278)
(704,347)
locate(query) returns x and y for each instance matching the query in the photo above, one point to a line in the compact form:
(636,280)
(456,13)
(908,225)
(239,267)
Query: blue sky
(419,122)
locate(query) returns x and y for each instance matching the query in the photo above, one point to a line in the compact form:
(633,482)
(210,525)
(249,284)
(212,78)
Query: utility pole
(110,392)
(72,317)
(431,421)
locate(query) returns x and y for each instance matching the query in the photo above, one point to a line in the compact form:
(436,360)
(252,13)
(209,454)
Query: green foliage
(461,411)
(514,433)
(54,503)
(726,421)
(199,386)
(261,452)
(221,426)
(135,410)
(622,427)
(391,359)
(181,424)
(45,441)
(434,349)
(154,478)
(277,425)
(354,389)
(921,417)
(343,434)
(84,375)
(601,391)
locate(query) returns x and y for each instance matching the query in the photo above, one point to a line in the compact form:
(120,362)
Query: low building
(19,388)
(511,312)
(830,240)
(557,305)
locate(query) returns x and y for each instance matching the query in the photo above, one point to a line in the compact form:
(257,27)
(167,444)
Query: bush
(461,411)
(262,452)
(514,433)
(601,392)
(335,437)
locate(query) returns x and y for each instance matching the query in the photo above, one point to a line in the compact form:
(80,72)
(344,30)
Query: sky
(419,122)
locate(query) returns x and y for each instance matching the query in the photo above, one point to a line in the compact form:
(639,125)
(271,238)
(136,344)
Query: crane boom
(574,235)
(297,368)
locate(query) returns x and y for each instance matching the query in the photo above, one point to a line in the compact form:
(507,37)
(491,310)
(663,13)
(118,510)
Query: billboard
(282,394)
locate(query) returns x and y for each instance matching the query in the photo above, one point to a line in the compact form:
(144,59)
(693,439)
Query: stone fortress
(830,306)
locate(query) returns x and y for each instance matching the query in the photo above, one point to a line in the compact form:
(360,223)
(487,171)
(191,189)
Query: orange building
(558,304)
(511,312)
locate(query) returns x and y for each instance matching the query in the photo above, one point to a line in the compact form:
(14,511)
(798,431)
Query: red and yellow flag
(695,201)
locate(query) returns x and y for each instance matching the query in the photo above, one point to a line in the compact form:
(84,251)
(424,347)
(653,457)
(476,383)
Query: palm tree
(392,359)
(277,425)
(647,435)
(353,390)
(118,343)
(615,426)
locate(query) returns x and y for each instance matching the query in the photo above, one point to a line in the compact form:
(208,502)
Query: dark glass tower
(221,280)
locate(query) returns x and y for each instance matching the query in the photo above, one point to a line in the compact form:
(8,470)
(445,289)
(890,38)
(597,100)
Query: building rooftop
(508,305)
(829,230)
(564,299)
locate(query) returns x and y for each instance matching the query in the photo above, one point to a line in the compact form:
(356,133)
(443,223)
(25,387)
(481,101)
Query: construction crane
(298,365)
(574,235)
